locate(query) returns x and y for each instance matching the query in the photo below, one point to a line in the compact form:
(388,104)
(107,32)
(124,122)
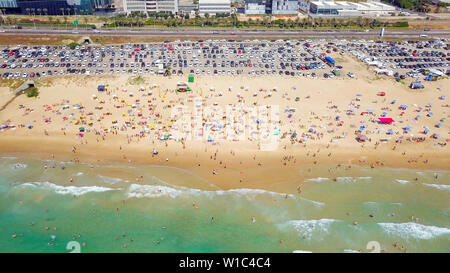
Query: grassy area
(13,84)
(136,80)
(15,39)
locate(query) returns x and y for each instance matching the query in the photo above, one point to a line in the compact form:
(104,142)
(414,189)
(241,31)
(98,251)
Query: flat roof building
(344,8)
(253,7)
(284,6)
(213,7)
(150,6)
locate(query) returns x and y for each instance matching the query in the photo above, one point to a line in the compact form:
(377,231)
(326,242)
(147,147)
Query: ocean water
(113,209)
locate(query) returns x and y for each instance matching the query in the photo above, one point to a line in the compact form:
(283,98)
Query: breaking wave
(309,228)
(72,190)
(155,191)
(414,230)
(439,187)
(402,181)
(110,180)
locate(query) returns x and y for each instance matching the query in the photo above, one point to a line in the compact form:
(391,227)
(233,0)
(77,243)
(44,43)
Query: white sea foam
(159,190)
(18,166)
(301,251)
(110,180)
(364,177)
(8,157)
(438,186)
(72,190)
(151,191)
(308,228)
(402,181)
(414,230)
(346,179)
(352,179)
(350,251)
(80,174)
(317,179)
(155,191)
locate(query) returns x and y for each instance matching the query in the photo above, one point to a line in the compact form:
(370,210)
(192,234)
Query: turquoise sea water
(111,209)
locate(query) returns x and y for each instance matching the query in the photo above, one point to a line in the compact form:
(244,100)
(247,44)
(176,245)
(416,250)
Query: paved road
(221,33)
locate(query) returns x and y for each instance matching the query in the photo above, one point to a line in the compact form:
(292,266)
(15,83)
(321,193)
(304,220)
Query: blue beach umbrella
(390,132)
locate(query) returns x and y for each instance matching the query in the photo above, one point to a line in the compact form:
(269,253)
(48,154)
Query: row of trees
(139,20)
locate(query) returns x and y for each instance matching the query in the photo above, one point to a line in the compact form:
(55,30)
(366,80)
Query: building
(284,7)
(253,7)
(187,8)
(169,6)
(344,8)
(150,6)
(9,6)
(130,6)
(101,4)
(213,7)
(56,7)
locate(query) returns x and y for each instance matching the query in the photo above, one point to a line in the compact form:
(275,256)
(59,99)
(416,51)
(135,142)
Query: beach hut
(385,120)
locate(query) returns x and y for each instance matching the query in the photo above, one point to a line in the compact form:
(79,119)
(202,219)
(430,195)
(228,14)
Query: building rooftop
(214,2)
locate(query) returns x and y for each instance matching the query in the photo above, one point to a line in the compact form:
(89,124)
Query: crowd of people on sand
(152,116)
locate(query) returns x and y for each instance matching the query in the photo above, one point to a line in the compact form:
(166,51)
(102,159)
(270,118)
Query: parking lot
(293,58)
(402,59)
(296,58)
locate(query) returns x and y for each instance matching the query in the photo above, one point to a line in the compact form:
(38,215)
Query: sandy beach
(319,121)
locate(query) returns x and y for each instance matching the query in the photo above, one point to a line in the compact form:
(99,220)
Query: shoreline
(246,175)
